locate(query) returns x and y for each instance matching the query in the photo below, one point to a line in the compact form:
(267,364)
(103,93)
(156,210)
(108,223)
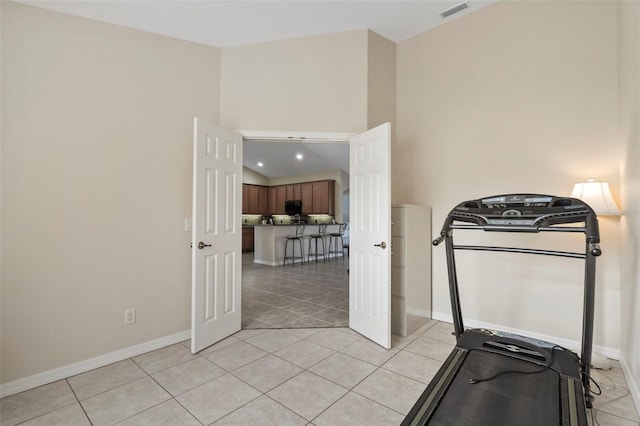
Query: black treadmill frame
(553,222)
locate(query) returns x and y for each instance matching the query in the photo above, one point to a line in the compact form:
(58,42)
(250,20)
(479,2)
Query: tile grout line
(78,400)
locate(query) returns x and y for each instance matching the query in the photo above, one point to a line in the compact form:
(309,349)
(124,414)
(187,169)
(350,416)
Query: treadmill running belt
(510,399)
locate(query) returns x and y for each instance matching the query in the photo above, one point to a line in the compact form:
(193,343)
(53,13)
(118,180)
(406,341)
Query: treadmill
(496,378)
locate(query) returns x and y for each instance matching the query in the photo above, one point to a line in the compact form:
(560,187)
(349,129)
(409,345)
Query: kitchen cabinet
(410,268)
(306,195)
(263,207)
(254,199)
(323,197)
(281,197)
(245,199)
(247,239)
(271,200)
(317,197)
(276,196)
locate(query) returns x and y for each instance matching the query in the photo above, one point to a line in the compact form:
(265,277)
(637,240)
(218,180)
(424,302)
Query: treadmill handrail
(537,218)
(555,253)
(521,228)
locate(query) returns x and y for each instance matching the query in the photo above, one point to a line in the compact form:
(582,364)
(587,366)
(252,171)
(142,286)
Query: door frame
(300,136)
(288,136)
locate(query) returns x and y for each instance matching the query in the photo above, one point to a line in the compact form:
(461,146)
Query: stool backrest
(343,227)
(299,230)
(322,229)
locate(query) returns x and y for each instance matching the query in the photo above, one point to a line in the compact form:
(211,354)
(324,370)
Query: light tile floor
(302,376)
(314,294)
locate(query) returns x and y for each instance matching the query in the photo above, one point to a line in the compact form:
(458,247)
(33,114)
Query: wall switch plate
(129,316)
(187,224)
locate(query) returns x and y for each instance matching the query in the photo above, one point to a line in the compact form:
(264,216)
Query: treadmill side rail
(574,411)
(426,405)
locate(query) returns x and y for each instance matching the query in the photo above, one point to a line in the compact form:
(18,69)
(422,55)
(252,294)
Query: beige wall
(96,182)
(251,177)
(341,82)
(307,84)
(629,102)
(381,81)
(516,97)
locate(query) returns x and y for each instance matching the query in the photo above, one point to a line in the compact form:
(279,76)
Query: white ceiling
(279,157)
(232,23)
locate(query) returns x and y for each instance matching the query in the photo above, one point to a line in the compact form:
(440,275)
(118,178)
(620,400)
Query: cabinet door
(323,197)
(331,194)
(245,199)
(306,195)
(247,239)
(253,199)
(271,200)
(297,191)
(320,197)
(263,205)
(281,197)
(290,195)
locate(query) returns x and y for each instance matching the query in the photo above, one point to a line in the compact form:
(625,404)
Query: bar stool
(293,238)
(322,230)
(336,241)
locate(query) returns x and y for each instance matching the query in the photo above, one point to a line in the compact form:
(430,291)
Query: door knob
(202,245)
(382,245)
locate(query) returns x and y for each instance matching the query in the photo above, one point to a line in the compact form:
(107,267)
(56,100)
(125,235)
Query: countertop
(247,225)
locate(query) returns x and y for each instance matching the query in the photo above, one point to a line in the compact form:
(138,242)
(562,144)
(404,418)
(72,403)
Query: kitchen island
(269,242)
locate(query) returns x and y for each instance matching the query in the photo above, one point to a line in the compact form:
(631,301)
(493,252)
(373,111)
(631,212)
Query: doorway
(314,294)
(217,208)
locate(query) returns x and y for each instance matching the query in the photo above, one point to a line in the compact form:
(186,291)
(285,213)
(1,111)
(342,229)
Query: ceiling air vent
(455,9)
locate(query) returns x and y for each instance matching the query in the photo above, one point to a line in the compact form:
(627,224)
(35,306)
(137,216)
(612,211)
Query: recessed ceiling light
(260,164)
(299,156)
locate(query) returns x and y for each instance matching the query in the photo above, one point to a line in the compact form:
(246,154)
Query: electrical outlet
(129,316)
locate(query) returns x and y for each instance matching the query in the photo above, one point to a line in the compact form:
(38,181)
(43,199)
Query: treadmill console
(522,211)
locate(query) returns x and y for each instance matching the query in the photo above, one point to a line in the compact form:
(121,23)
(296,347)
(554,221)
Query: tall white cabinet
(410,268)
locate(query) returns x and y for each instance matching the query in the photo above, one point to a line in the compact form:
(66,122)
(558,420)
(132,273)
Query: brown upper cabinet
(276,196)
(271,200)
(254,199)
(317,197)
(324,197)
(306,195)
(291,192)
(281,197)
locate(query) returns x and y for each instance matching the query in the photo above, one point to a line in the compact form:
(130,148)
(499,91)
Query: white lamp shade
(598,196)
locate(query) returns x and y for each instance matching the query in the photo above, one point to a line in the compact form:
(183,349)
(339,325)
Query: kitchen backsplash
(312,219)
(251,219)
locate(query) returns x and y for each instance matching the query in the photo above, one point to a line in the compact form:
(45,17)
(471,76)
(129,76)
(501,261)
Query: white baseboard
(634,388)
(567,343)
(281,262)
(60,373)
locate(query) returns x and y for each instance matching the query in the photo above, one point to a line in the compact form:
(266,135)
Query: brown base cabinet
(247,239)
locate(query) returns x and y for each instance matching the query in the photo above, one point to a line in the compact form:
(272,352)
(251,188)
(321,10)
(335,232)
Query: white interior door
(370,235)
(216,234)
